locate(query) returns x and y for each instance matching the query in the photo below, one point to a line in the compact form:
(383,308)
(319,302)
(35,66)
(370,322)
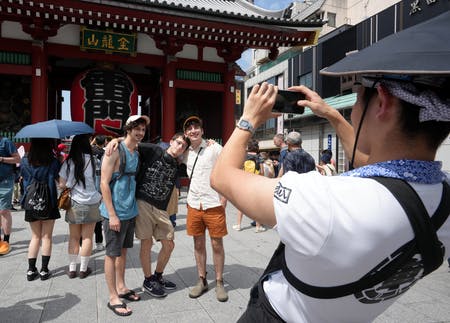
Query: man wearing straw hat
(385,223)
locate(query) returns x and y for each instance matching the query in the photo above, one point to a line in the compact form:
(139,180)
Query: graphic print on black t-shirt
(156,178)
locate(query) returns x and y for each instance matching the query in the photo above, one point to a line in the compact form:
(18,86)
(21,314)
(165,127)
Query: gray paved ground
(60,299)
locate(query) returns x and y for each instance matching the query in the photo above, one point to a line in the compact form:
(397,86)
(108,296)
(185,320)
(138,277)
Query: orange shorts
(213,219)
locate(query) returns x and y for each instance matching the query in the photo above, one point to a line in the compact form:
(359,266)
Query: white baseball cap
(137,117)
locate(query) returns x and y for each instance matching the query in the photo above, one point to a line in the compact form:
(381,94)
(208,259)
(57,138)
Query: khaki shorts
(172,207)
(212,219)
(81,213)
(153,222)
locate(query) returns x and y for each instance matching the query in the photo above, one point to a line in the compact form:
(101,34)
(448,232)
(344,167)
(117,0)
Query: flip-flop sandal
(116,306)
(130,296)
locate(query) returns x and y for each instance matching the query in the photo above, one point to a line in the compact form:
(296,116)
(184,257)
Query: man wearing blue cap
(384,224)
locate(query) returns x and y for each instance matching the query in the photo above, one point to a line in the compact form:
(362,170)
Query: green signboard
(108,41)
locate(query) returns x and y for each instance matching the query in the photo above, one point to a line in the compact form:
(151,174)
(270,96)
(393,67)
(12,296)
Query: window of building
(305,79)
(331,16)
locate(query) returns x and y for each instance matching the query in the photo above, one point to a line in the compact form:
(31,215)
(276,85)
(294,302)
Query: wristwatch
(245,125)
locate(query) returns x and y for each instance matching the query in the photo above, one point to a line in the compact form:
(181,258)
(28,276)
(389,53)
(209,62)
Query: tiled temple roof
(231,9)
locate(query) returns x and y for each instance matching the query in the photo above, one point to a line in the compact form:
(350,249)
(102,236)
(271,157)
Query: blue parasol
(54,129)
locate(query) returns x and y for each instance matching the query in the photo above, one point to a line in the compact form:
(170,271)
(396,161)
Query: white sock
(73,262)
(84,263)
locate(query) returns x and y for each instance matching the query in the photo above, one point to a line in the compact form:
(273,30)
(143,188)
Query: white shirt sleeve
(304,216)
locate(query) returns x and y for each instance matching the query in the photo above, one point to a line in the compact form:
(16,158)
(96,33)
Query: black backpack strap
(122,161)
(193,167)
(442,212)
(429,246)
(123,164)
(426,238)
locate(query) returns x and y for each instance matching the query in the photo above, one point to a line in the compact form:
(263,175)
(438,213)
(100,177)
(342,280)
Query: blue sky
(245,61)
(273,4)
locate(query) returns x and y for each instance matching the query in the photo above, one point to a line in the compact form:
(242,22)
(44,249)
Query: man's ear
(385,103)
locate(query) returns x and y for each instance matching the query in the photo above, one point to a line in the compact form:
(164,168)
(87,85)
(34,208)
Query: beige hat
(136,117)
(191,120)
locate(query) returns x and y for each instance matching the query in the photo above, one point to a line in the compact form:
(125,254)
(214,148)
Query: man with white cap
(119,210)
(383,225)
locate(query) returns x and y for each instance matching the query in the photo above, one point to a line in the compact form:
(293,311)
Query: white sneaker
(260,229)
(237,227)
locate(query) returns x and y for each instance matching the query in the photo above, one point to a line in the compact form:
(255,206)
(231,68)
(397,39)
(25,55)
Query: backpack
(329,170)
(389,272)
(251,164)
(37,199)
(123,164)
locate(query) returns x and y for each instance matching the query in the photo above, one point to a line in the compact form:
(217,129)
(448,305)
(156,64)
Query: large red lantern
(104,99)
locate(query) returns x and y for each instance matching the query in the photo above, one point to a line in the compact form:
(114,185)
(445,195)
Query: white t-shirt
(337,240)
(200,191)
(81,195)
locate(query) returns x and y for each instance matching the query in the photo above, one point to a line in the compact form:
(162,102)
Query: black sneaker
(166,284)
(32,275)
(45,274)
(153,288)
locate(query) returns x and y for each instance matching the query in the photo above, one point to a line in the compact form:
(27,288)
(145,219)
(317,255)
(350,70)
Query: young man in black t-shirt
(154,189)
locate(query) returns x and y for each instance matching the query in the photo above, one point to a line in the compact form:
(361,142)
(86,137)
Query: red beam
(15,45)
(11,69)
(68,51)
(203,86)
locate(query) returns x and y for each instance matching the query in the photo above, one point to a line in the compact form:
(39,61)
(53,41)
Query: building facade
(302,66)
(177,56)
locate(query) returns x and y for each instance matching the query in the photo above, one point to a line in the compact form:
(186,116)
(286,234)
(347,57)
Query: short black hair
(435,131)
(100,139)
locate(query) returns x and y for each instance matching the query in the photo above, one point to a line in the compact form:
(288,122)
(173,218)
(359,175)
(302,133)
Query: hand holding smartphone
(286,102)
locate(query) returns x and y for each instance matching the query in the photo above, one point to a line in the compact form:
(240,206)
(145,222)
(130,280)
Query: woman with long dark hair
(41,165)
(78,173)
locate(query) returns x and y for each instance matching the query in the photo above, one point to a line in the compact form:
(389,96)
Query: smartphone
(286,102)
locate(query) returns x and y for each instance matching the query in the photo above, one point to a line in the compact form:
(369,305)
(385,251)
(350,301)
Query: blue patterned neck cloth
(416,171)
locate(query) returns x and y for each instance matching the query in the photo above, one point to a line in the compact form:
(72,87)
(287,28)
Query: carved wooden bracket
(273,53)
(170,46)
(40,30)
(230,54)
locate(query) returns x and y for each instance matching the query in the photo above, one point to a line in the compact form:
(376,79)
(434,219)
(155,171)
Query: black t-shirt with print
(156,177)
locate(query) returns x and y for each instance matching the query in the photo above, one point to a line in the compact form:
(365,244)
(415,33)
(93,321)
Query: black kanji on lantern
(107,94)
